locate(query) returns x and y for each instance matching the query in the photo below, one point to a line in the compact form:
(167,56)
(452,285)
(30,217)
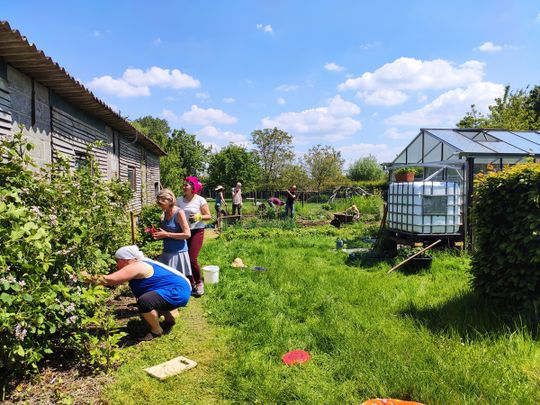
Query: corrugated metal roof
(489,141)
(24,56)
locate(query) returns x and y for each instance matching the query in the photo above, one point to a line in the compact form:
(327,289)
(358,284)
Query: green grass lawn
(422,337)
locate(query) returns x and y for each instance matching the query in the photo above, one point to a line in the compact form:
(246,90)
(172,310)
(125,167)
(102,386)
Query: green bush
(53,225)
(149,218)
(506,219)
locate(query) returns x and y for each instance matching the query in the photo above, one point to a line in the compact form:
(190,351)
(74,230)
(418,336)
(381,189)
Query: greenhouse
(437,202)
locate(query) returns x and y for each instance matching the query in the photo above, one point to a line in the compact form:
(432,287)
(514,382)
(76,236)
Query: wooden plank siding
(152,175)
(71,136)
(5,108)
(130,155)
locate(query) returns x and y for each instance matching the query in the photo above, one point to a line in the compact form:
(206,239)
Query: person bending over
(159,289)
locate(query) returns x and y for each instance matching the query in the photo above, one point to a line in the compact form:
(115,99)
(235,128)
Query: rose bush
(53,224)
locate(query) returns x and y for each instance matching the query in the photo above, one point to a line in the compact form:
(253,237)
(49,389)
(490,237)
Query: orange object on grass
(389,401)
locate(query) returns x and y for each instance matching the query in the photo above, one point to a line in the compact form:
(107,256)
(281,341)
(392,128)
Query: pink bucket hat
(195,184)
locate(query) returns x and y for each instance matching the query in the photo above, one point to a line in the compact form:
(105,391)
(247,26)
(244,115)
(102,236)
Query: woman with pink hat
(197,211)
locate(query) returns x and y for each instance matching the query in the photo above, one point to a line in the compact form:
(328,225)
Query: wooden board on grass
(171,367)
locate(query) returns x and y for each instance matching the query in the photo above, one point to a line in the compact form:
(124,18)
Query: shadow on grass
(472,316)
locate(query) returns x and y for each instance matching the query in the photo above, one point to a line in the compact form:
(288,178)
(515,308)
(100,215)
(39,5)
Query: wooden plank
(171,368)
(413,256)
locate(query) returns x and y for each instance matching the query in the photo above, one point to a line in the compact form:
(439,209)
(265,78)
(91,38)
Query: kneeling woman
(158,288)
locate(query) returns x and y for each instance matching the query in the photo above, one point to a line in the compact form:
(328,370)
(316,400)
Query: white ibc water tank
(431,207)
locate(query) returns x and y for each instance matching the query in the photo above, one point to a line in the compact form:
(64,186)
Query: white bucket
(211,274)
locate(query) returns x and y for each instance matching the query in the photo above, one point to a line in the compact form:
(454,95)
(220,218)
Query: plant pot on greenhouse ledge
(422,262)
(404,177)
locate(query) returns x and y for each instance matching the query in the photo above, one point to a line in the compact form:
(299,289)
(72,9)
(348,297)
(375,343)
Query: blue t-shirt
(171,245)
(172,285)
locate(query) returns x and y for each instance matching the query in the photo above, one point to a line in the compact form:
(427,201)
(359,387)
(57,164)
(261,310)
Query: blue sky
(360,76)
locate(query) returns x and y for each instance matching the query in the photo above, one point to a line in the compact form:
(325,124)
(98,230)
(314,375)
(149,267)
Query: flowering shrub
(53,224)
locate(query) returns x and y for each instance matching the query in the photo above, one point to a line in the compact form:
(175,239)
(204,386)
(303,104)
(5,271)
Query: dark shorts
(152,300)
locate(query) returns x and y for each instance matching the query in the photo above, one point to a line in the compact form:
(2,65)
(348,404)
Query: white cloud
(449,107)
(538,17)
(204,96)
(156,76)
(157,41)
(97,34)
(413,74)
(117,87)
(394,133)
(206,116)
(382,151)
(333,67)
(334,122)
(421,97)
(169,115)
(281,101)
(229,100)
(169,98)
(214,147)
(136,82)
(383,97)
(287,87)
(489,47)
(265,28)
(228,136)
(370,45)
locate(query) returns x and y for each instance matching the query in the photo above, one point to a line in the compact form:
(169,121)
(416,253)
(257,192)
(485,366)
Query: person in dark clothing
(289,204)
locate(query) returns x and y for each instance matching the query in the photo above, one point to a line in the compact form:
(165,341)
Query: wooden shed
(60,115)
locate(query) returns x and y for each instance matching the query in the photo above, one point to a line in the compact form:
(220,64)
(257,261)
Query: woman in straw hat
(220,201)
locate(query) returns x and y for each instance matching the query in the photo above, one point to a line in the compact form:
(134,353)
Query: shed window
(156,188)
(81,160)
(132,177)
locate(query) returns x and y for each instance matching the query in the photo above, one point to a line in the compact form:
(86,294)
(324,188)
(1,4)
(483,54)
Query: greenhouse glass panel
(434,155)
(414,151)
(521,140)
(501,147)
(401,158)
(468,134)
(430,143)
(459,141)
(448,152)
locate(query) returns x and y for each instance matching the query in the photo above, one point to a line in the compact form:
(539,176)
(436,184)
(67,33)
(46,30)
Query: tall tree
(366,168)
(325,166)
(156,129)
(274,150)
(294,174)
(516,110)
(233,164)
(185,154)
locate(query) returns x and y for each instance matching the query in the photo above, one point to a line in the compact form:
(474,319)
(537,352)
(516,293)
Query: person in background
(220,205)
(159,289)
(173,230)
(276,204)
(197,211)
(237,199)
(291,198)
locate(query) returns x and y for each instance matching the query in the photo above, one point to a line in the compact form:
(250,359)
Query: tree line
(271,164)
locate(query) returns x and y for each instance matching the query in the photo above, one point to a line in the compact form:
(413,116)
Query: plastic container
(425,207)
(211,274)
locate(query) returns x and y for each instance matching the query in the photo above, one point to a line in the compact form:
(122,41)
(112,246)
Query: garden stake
(413,256)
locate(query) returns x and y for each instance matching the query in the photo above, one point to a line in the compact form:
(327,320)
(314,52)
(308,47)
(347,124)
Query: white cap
(129,252)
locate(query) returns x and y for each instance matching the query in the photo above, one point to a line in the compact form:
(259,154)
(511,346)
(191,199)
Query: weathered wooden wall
(58,127)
